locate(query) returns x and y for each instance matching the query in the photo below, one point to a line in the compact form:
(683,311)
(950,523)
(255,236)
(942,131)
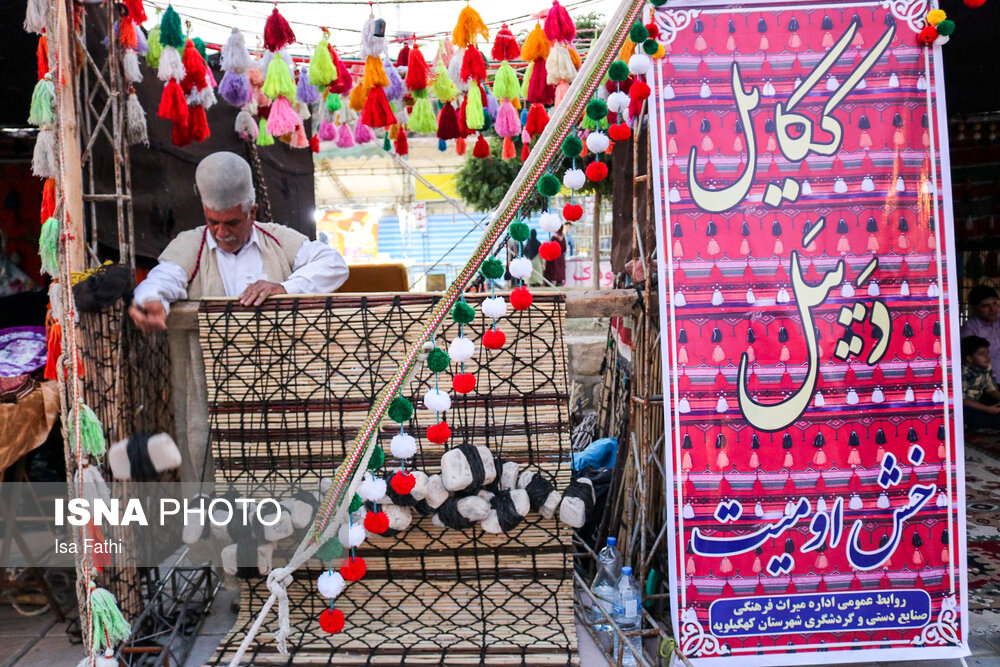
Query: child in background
(980,395)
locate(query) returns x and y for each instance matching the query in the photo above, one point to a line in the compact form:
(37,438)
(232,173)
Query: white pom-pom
(352,535)
(372,488)
(520,268)
(550,222)
(495,307)
(597,142)
(574,179)
(330,584)
(618,102)
(403,446)
(639,64)
(461,349)
(436,400)
(171,66)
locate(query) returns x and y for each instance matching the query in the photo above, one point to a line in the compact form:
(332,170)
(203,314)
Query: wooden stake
(69,141)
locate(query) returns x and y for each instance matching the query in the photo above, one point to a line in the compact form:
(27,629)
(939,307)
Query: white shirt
(318,269)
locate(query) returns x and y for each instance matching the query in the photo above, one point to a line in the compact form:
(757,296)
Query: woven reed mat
(288,387)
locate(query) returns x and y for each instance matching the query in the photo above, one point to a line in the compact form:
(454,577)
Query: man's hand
(149,317)
(257,293)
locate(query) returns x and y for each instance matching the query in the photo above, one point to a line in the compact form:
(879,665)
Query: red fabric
(277,32)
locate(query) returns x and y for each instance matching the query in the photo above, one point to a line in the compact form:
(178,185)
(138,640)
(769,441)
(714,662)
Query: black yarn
(141,467)
(471,454)
(538,490)
(247,538)
(583,491)
(450,516)
(398,499)
(423,508)
(507,515)
(306,497)
(494,486)
(102,288)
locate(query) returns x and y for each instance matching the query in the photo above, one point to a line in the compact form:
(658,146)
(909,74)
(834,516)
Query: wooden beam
(581,304)
(69,141)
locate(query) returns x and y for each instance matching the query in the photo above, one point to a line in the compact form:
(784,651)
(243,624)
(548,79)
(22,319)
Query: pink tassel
(558,24)
(327,131)
(362,133)
(282,119)
(508,122)
(299,138)
(345,139)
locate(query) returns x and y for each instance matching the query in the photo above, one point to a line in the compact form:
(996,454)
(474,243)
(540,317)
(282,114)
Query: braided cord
(569,111)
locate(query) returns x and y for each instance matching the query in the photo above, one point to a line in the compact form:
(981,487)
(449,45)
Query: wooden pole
(596,240)
(69,140)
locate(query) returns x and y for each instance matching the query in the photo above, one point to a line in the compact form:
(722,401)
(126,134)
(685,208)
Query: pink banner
(806,271)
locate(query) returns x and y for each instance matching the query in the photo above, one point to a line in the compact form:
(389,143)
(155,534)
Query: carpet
(982,476)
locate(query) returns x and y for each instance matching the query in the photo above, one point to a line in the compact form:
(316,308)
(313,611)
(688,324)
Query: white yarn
(330,584)
(639,64)
(455,70)
(559,65)
(235,56)
(36,17)
(403,446)
(130,63)
(43,161)
(206,97)
(550,222)
(351,535)
(402,116)
(574,179)
(171,65)
(597,142)
(461,349)
(436,400)
(520,268)
(372,488)
(370,44)
(618,102)
(245,127)
(98,661)
(495,307)
(135,122)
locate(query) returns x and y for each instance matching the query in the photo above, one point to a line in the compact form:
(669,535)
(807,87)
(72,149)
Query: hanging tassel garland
(135,122)
(505,83)
(374,73)
(536,46)
(559,66)
(395,89)
(537,119)
(508,122)
(469,29)
(108,627)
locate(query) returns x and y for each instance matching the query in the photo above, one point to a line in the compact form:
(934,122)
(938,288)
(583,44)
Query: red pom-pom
(505,45)
(520,298)
(639,90)
(463,383)
(277,32)
(416,70)
(619,132)
(402,143)
(377,522)
(550,250)
(537,119)
(377,112)
(482,148)
(403,482)
(597,171)
(572,212)
(198,124)
(473,65)
(448,123)
(439,433)
(494,339)
(927,36)
(331,621)
(173,106)
(975,3)
(352,569)
(653,30)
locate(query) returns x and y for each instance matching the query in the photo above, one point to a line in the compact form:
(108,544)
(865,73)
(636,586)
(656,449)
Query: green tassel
(48,247)
(43,103)
(322,71)
(400,410)
(505,83)
(378,458)
(264,137)
(333,102)
(155,48)
(108,627)
(604,123)
(526,80)
(356,504)
(474,116)
(199,44)
(171,32)
(443,87)
(437,360)
(91,432)
(588,123)
(331,549)
(423,120)
(278,82)
(386,144)
(463,313)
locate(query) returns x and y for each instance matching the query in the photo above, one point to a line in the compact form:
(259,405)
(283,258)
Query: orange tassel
(509,151)
(357,98)
(469,28)
(126,33)
(48,199)
(460,146)
(536,45)
(53,344)
(374,73)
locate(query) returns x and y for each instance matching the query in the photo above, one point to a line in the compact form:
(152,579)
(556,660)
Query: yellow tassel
(628,49)
(393,132)
(358,96)
(536,45)
(577,60)
(469,28)
(374,73)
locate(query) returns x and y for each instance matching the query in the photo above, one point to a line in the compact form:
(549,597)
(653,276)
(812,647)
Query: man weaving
(233,254)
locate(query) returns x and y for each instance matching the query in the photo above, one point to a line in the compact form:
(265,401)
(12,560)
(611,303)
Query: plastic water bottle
(605,585)
(628,614)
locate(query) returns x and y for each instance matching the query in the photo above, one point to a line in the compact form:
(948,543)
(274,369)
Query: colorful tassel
(537,119)
(264,137)
(36,17)
(357,98)
(135,122)
(198,124)
(505,45)
(363,134)
(403,58)
(371,44)
(505,83)
(508,122)
(417,70)
(48,247)
(43,160)
(327,131)
(345,139)
(469,29)
(377,112)
(447,123)
(558,24)
(245,126)
(305,92)
(344,81)
(559,66)
(48,207)
(395,89)
(155,48)
(374,73)
(171,31)
(126,34)
(539,90)
(536,45)
(278,82)
(91,432)
(136,11)
(282,119)
(299,138)
(170,65)
(277,33)
(474,113)
(509,151)
(235,56)
(42,55)
(322,71)
(422,119)
(173,105)
(482,148)
(43,103)
(108,627)
(333,102)
(402,145)
(130,66)
(235,88)
(473,65)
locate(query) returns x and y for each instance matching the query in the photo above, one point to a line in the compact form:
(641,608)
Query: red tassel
(344,82)
(195,69)
(473,65)
(173,106)
(377,112)
(463,128)
(180,134)
(525,151)
(403,59)
(460,146)
(126,33)
(101,559)
(558,25)
(505,45)
(538,89)
(277,32)
(43,56)
(416,70)
(509,150)
(53,345)
(48,199)
(482,148)
(537,119)
(448,123)
(136,11)
(198,124)
(402,143)
(314,143)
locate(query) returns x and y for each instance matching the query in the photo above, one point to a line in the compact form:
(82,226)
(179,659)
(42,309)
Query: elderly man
(984,320)
(233,254)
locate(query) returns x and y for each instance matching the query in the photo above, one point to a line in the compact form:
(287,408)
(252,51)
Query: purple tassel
(141,45)
(327,131)
(395,89)
(306,92)
(235,88)
(508,123)
(492,105)
(362,133)
(344,137)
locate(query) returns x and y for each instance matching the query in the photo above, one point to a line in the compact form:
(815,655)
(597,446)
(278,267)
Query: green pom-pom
(48,247)
(264,137)
(378,458)
(171,32)
(618,70)
(657,3)
(155,48)
(520,232)
(332,548)
(549,185)
(400,410)
(279,82)
(492,268)
(322,71)
(650,47)
(597,109)
(572,146)
(108,627)
(463,313)
(437,360)
(946,27)
(356,501)
(91,433)
(638,33)
(43,103)
(333,102)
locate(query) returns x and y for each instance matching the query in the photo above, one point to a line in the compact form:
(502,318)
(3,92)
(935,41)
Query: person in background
(555,271)
(530,251)
(984,319)
(980,395)
(570,246)
(232,254)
